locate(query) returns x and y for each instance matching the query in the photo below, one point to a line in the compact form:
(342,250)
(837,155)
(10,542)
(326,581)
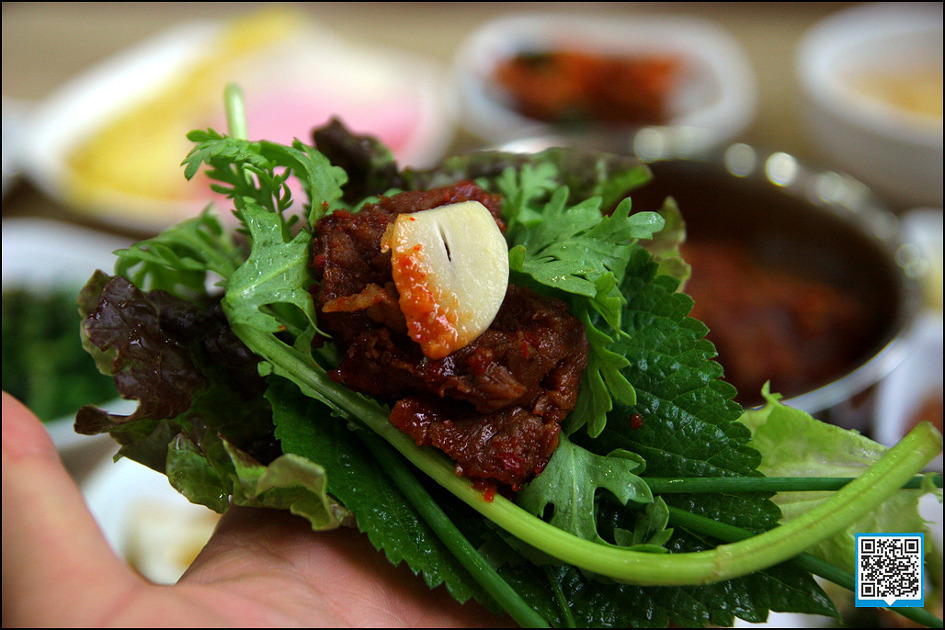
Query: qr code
(889,569)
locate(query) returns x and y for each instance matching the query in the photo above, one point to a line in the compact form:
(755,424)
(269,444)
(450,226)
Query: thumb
(57,565)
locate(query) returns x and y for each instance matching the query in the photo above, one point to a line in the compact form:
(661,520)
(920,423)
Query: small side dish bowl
(708,94)
(871,78)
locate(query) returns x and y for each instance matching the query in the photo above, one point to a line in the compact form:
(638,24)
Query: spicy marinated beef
(495,405)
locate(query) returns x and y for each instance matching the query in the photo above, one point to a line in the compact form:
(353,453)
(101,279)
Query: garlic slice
(451,267)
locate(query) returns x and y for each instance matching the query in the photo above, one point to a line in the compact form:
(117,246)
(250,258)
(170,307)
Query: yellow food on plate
(130,154)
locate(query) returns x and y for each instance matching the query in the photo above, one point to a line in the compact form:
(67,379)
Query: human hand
(260,567)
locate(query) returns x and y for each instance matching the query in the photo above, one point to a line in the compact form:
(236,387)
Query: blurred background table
(46,44)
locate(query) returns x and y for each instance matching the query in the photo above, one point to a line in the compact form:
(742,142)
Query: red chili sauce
(770,324)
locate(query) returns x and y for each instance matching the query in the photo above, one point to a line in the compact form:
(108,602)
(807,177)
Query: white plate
(292,82)
(46,255)
(715,101)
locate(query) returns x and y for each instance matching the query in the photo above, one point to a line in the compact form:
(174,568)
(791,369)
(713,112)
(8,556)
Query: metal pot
(814,224)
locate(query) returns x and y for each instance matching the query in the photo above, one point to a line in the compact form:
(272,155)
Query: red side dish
(569,86)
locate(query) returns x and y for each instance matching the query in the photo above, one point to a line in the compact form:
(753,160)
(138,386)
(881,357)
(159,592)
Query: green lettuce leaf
(289,482)
(603,381)
(258,172)
(580,252)
(794,444)
(685,422)
(664,246)
(573,246)
(275,274)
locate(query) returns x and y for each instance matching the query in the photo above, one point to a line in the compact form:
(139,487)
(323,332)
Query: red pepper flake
(636,421)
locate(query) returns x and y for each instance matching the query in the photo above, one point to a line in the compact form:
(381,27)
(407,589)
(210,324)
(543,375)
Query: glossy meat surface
(494,406)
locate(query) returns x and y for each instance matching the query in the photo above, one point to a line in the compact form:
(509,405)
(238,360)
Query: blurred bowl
(871,77)
(913,390)
(803,275)
(820,304)
(712,101)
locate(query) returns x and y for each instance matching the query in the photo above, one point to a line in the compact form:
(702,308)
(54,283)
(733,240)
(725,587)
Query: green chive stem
(764,484)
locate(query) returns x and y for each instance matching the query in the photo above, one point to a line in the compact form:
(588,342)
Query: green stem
(725,562)
(487,577)
(737,559)
(804,561)
(235,111)
(763,484)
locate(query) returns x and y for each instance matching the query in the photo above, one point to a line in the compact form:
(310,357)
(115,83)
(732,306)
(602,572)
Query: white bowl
(894,148)
(714,102)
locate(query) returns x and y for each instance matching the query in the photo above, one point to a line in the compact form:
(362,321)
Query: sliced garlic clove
(451,267)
